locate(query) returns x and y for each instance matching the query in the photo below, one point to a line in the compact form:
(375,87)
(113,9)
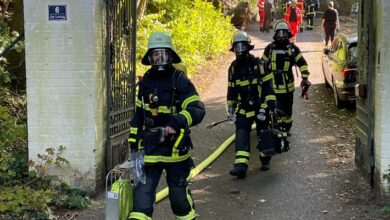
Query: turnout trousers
(284,103)
(179,194)
(242,147)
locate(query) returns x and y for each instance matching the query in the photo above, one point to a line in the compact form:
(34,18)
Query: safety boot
(286,144)
(265,160)
(239,171)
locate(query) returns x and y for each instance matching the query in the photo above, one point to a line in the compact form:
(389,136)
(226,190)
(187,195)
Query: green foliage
(24,201)
(199,30)
(71,198)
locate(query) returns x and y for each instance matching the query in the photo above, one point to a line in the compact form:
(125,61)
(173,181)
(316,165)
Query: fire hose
(164,193)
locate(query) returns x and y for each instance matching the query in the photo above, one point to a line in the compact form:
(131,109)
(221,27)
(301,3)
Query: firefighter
(293,17)
(250,98)
(281,55)
(310,16)
(167,105)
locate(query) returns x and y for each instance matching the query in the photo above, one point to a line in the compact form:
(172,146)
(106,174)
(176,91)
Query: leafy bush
(199,30)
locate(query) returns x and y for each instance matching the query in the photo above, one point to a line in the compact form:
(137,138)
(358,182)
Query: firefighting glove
(262,115)
(271,105)
(231,113)
(305,82)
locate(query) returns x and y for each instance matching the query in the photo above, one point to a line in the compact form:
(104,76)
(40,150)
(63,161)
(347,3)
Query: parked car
(339,68)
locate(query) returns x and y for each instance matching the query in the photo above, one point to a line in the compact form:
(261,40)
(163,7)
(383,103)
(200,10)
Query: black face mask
(281,35)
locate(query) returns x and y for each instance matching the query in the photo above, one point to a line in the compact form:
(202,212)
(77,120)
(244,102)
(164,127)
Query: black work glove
(271,105)
(305,82)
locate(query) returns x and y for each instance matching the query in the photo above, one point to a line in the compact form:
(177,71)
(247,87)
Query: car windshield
(352,55)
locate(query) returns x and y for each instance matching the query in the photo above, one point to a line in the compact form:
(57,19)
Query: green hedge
(199,30)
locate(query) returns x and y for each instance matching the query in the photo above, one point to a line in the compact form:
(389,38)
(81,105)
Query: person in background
(260,6)
(330,22)
(268,7)
(294,18)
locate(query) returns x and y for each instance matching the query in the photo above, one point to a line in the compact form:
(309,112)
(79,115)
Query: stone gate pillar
(66,85)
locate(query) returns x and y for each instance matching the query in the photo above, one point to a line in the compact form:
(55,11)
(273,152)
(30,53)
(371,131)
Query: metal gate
(120,77)
(364,152)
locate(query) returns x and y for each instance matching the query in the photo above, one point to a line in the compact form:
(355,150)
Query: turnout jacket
(281,57)
(178,106)
(249,86)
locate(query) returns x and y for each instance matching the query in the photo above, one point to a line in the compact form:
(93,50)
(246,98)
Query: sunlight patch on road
(323,140)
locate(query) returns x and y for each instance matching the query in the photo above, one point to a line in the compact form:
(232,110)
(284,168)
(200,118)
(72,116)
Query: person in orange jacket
(260,5)
(293,17)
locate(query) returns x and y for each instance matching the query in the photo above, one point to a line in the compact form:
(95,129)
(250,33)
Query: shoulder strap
(175,79)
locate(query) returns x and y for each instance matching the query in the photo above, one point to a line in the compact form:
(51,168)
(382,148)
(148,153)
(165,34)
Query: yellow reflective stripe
(230,84)
(166,109)
(133,130)
(175,151)
(241,160)
(250,114)
(267,77)
(139,215)
(287,119)
(165,159)
(191,215)
(254,82)
(247,114)
(291,85)
(242,153)
(286,65)
(273,60)
(299,56)
(189,100)
(242,83)
(303,68)
(187,115)
(138,103)
(305,75)
(229,102)
(263,105)
(140,147)
(131,140)
(280,91)
(270,97)
(264,57)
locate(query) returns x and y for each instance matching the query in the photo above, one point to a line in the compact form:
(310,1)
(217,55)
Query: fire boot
(239,171)
(265,160)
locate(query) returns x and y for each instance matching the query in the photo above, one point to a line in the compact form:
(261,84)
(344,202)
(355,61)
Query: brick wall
(66,86)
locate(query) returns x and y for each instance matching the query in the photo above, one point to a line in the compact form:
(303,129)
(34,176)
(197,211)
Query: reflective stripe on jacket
(178,106)
(281,59)
(249,82)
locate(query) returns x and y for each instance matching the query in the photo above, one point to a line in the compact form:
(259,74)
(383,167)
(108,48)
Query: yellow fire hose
(164,193)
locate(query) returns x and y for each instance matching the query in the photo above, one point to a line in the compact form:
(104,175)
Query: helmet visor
(282,34)
(240,47)
(160,57)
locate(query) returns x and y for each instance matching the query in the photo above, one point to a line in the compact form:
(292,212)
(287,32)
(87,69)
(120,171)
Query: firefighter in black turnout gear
(281,56)
(167,105)
(250,98)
